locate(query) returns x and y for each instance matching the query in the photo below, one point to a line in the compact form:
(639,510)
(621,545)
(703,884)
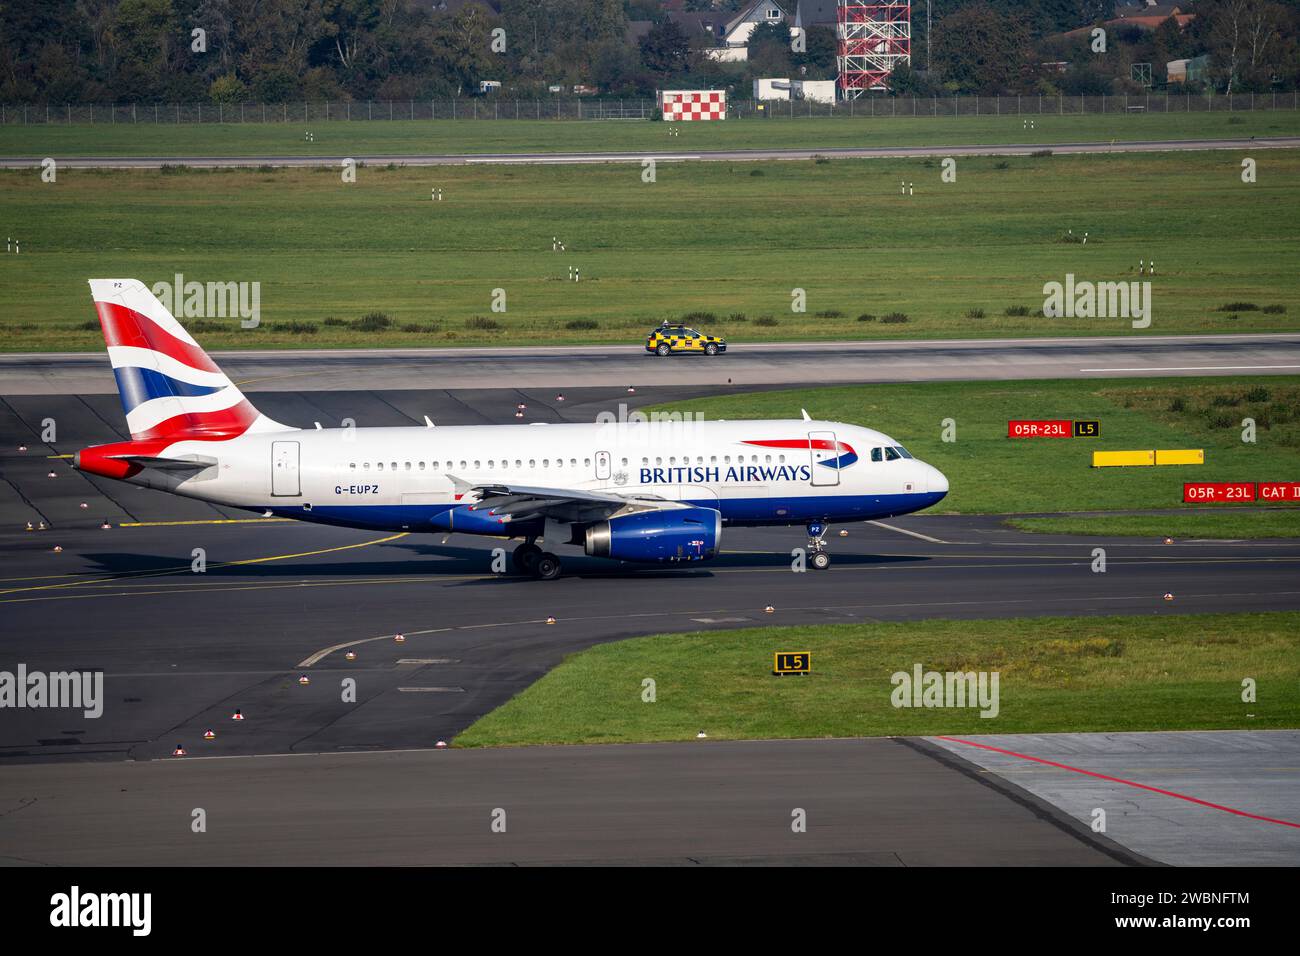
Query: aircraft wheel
(821,560)
(525,558)
(547,567)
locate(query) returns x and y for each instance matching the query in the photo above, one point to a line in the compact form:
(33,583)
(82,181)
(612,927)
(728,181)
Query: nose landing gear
(818,556)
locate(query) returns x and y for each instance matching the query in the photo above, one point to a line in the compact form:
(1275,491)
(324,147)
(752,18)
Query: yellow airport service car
(668,339)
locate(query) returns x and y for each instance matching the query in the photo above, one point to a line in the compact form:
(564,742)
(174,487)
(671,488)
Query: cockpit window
(902,451)
(891,454)
(877,454)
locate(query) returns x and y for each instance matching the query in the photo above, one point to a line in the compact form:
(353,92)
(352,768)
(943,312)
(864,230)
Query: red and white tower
(874,37)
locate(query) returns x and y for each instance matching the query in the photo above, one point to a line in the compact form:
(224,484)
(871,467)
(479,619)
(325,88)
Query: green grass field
(730,240)
(338,138)
(991,473)
(1156,672)
(1231,524)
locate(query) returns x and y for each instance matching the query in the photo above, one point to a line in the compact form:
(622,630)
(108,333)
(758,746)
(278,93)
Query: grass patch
(373,322)
(1155,672)
(994,235)
(989,472)
(295,328)
(1235,524)
(344,138)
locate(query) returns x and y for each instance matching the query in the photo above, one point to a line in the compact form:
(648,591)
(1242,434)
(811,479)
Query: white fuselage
(411,478)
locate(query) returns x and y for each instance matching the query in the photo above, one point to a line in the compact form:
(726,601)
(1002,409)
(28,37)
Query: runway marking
(308,554)
(1187,368)
(173,524)
(1147,770)
(195,758)
(1127,783)
(431,690)
(914,534)
(274,378)
(162,572)
(327,651)
(448,579)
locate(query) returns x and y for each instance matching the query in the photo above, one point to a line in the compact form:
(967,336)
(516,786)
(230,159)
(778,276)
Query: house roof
(713,23)
(745,11)
(812,13)
(1145,19)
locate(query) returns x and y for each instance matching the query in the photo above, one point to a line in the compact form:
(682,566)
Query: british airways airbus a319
(652,492)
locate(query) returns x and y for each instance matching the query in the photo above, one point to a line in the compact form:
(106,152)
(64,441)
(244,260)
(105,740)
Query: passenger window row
(492,463)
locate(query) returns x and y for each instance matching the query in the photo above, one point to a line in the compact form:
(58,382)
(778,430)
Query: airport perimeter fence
(496,107)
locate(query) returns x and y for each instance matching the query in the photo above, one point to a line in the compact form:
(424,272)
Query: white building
(772,88)
(818,91)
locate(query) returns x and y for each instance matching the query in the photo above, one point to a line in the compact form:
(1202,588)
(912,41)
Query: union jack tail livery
(171,390)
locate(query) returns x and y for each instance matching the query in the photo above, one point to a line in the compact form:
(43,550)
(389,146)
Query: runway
(181,651)
(867,803)
(733,155)
(1181,798)
(747,367)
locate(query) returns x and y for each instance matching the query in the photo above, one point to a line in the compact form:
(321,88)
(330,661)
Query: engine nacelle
(676,534)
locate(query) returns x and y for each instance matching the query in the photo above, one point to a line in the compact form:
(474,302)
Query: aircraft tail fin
(170,389)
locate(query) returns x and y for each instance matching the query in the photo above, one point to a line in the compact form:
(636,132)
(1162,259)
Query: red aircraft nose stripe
(824,444)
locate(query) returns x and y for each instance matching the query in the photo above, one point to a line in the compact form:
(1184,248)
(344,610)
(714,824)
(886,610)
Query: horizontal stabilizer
(166,464)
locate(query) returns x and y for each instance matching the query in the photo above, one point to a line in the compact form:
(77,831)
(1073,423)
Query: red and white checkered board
(695,106)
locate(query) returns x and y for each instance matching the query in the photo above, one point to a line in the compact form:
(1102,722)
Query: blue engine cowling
(676,534)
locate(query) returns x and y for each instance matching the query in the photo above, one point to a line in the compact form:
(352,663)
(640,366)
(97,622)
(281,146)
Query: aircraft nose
(936,481)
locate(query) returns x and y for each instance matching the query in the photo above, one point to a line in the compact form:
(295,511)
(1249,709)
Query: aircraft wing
(523,502)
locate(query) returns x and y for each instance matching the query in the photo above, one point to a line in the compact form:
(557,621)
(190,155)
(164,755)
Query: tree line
(270,51)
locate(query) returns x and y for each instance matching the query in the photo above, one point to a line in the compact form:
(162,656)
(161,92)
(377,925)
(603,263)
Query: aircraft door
(825,458)
(602,465)
(284,469)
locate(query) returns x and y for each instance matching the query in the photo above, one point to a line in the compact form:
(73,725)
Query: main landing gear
(530,559)
(818,556)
